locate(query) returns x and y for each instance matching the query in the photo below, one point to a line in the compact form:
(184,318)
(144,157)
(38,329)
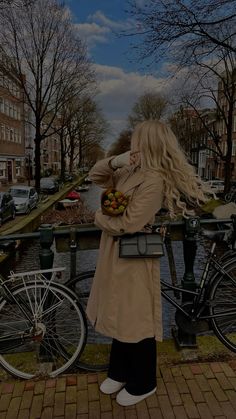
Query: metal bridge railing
(82,237)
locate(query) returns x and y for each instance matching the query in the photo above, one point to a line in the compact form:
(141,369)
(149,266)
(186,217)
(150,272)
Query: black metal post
(73,249)
(191,230)
(46,255)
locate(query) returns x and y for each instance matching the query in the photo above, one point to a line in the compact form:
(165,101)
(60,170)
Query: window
(234,124)
(7,133)
(3,136)
(16,135)
(11,134)
(2,170)
(234,148)
(18,168)
(1,104)
(11,110)
(14,112)
(6,107)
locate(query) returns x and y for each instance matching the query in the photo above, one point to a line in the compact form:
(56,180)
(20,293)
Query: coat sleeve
(142,208)
(102,174)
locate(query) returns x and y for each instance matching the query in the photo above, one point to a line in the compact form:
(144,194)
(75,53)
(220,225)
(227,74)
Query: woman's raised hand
(121,160)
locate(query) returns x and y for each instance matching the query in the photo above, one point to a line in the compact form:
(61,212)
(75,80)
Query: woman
(125,299)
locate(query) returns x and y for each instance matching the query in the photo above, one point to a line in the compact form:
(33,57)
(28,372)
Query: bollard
(73,249)
(46,255)
(191,229)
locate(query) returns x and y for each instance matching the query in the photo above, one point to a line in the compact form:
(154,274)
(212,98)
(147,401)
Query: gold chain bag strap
(142,245)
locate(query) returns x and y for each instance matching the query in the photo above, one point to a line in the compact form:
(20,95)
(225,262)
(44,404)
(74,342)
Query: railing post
(191,229)
(46,255)
(73,249)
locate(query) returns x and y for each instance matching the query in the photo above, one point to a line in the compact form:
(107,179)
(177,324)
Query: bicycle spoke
(223,307)
(55,337)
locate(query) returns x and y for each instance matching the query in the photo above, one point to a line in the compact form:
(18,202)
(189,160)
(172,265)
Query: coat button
(121,230)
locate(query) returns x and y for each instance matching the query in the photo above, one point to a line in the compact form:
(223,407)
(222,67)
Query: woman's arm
(105,172)
(145,204)
(102,173)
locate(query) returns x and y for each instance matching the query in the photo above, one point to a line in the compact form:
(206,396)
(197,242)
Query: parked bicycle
(43,327)
(231,195)
(213,303)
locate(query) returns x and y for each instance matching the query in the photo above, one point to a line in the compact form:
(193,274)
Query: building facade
(225,100)
(50,150)
(12,123)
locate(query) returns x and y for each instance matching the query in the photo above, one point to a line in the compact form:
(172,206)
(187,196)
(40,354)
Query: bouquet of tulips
(113,202)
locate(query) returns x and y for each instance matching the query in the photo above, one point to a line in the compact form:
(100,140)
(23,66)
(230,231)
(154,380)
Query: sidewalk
(196,390)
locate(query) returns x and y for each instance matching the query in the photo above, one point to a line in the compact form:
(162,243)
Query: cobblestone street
(204,390)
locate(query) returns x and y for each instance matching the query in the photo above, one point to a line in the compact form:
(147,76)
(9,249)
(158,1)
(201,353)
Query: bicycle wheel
(228,197)
(33,341)
(223,306)
(95,356)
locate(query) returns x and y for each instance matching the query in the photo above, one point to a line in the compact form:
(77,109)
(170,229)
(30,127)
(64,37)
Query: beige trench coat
(125,298)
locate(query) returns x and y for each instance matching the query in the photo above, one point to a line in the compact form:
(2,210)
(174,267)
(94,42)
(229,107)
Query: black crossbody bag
(141,245)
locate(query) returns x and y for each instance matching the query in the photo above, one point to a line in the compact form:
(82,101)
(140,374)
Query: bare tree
(84,128)
(148,106)
(179,27)
(214,84)
(50,59)
(122,144)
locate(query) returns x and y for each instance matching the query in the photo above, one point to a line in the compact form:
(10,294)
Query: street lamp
(29,148)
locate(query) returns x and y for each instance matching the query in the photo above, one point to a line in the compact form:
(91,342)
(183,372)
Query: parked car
(216,185)
(87,180)
(25,198)
(69,177)
(49,185)
(7,207)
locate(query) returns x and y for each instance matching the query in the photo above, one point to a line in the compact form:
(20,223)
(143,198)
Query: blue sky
(120,79)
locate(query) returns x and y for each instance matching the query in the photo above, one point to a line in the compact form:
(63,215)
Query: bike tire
(90,360)
(42,352)
(228,197)
(222,303)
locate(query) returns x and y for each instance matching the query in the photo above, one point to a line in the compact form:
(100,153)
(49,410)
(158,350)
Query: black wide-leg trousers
(134,364)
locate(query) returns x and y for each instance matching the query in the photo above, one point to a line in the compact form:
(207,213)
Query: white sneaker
(110,386)
(126,399)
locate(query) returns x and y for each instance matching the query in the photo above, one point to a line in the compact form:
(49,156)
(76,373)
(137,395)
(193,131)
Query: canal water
(27,258)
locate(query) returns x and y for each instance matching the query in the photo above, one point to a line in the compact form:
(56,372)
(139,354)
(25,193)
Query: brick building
(12,125)
(50,150)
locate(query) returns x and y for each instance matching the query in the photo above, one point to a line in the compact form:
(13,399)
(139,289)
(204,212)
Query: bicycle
(215,292)
(42,325)
(230,196)
(213,305)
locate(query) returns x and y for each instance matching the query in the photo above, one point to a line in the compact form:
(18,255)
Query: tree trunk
(228,168)
(37,141)
(72,152)
(63,163)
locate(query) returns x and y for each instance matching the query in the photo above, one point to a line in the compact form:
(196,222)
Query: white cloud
(92,33)
(119,90)
(99,28)
(100,17)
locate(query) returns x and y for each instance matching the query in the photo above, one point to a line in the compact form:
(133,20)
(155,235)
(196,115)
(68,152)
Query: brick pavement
(200,390)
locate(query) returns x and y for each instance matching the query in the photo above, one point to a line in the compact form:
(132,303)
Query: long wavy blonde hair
(161,151)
